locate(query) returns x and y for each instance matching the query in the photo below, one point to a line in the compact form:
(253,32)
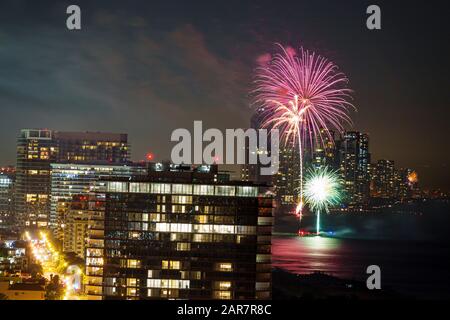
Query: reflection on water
(307,254)
(319,244)
(416,268)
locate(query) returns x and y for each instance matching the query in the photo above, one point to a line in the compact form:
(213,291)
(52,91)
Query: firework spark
(304,96)
(322,190)
(413,177)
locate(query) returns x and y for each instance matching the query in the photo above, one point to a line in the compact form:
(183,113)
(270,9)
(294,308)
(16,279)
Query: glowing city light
(149,156)
(45,253)
(413,177)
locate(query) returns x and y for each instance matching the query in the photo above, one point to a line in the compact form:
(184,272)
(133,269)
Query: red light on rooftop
(149,156)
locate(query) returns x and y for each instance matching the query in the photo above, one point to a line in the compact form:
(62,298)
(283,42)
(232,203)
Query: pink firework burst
(301,93)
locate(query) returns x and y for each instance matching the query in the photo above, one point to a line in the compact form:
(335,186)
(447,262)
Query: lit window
(175,265)
(117,186)
(202,219)
(182,189)
(245,229)
(224,229)
(182,199)
(133,263)
(173,227)
(160,188)
(225,191)
(183,246)
(131,282)
(204,190)
(155,217)
(170,264)
(263,258)
(94,261)
(247,191)
(177,208)
(153,292)
(135,235)
(225,295)
(31,197)
(265,221)
(168,283)
(224,266)
(137,187)
(262,286)
(224,285)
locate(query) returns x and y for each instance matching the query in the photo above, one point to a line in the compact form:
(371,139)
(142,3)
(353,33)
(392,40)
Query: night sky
(148,67)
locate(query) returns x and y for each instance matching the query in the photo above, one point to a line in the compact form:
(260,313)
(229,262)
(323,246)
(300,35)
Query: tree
(35,270)
(54,289)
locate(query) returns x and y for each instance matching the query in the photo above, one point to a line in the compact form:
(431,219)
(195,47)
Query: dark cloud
(148,67)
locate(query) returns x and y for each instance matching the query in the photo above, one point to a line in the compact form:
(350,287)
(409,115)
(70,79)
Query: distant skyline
(148,67)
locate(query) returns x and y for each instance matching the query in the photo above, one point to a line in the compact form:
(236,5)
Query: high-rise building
(326,151)
(406,180)
(384,179)
(179,235)
(7,179)
(354,167)
(92,147)
(286,180)
(76,226)
(38,148)
(252,172)
(72,179)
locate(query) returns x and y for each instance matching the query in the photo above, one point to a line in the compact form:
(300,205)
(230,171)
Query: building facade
(38,148)
(385,179)
(179,235)
(326,152)
(286,181)
(355,167)
(72,180)
(7,185)
(92,147)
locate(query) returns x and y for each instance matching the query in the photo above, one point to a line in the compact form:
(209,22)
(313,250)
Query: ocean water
(412,250)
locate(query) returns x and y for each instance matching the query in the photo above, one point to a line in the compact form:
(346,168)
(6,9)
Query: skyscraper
(179,235)
(286,180)
(38,148)
(385,179)
(326,151)
(354,166)
(405,183)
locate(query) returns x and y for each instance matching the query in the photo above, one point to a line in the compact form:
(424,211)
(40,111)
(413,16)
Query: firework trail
(304,96)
